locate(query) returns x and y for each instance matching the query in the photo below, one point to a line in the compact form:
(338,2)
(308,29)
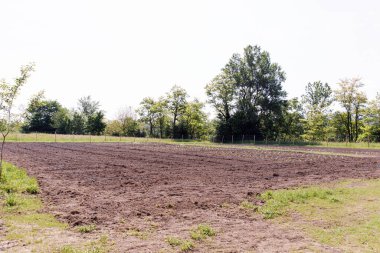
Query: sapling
(8,94)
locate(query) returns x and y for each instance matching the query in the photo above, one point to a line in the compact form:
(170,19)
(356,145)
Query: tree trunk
(1,156)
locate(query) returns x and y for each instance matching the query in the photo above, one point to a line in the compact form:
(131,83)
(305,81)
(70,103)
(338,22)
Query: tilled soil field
(165,190)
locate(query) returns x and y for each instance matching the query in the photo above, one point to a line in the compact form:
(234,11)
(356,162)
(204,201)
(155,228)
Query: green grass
(102,245)
(248,206)
(202,232)
(42,137)
(21,211)
(86,228)
(344,215)
(143,235)
(184,245)
(16,180)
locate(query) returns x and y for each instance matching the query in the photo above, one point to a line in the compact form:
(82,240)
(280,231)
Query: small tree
(8,93)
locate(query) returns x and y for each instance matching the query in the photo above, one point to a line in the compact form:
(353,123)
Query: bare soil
(166,190)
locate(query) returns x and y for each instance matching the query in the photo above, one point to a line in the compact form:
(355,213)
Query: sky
(119,52)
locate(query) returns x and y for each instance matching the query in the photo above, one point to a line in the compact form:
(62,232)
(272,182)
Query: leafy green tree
(160,109)
(62,121)
(95,123)
(176,100)
(114,128)
(78,123)
(8,94)
(147,113)
(194,120)
(352,99)
(220,92)
(316,100)
(292,127)
(259,97)
(40,114)
(371,121)
(88,107)
(337,126)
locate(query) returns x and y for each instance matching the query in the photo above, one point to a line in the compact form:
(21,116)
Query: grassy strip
(42,137)
(345,216)
(27,226)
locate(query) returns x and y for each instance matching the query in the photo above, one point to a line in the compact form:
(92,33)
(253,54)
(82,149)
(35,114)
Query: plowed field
(163,190)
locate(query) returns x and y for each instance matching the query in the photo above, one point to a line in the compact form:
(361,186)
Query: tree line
(248,98)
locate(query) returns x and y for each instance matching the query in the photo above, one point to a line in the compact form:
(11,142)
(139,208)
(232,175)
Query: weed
(86,228)
(137,233)
(32,189)
(10,200)
(187,246)
(174,241)
(248,205)
(202,232)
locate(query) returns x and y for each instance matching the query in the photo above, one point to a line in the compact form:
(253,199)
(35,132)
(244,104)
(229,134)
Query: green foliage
(202,232)
(10,200)
(276,202)
(86,228)
(42,115)
(174,241)
(15,180)
(187,246)
(344,216)
(352,99)
(184,245)
(176,102)
(248,206)
(252,85)
(95,123)
(316,102)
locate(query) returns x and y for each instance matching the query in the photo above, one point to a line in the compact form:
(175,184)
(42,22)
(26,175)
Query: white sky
(121,51)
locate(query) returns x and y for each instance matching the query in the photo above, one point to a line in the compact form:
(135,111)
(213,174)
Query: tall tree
(352,100)
(220,92)
(8,94)
(176,99)
(260,99)
(147,113)
(87,106)
(316,100)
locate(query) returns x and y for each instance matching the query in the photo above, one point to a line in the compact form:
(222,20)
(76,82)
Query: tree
(87,106)
(316,101)
(176,99)
(147,113)
(160,110)
(128,122)
(93,118)
(220,92)
(95,123)
(62,121)
(371,121)
(352,100)
(8,93)
(259,97)
(78,123)
(194,119)
(292,127)
(40,114)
